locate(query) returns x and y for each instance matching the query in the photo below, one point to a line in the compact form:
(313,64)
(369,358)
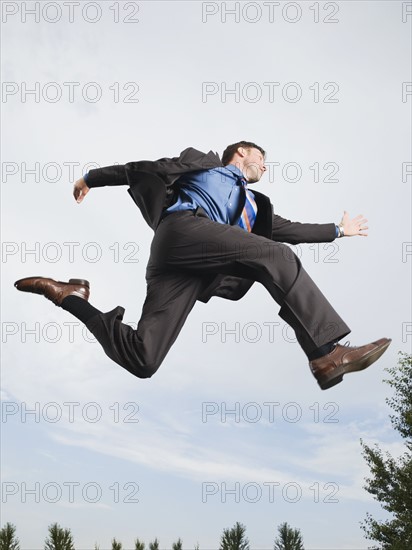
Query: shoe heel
(79,282)
(331,383)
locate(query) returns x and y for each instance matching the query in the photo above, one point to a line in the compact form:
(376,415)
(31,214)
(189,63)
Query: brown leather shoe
(329,369)
(53,290)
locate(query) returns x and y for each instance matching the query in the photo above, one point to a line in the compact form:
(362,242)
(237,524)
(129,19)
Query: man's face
(254,165)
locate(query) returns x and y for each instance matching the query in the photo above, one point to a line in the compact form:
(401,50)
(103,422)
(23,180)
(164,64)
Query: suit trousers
(188,250)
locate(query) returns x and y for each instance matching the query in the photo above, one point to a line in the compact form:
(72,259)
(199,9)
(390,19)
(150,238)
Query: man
(213,237)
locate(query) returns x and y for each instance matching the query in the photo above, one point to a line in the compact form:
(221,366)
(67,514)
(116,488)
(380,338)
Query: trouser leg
(198,245)
(169,300)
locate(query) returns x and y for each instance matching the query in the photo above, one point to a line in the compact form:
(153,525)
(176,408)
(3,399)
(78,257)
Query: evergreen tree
(234,538)
(391,478)
(116,545)
(178,545)
(154,545)
(139,545)
(8,539)
(288,538)
(59,539)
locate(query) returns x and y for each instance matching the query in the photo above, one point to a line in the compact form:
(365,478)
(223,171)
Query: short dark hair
(231,150)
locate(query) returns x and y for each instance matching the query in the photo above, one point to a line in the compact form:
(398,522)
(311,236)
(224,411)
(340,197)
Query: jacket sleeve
(284,230)
(118,173)
(169,169)
(109,175)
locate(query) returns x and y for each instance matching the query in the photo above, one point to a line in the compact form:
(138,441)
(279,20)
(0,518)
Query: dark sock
(320,352)
(80,308)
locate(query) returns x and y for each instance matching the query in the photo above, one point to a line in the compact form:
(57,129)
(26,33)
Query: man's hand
(354,227)
(80,190)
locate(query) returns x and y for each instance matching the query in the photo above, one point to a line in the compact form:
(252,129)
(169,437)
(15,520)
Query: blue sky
(107,454)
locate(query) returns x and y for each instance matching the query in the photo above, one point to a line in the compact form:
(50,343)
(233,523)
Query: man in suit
(213,237)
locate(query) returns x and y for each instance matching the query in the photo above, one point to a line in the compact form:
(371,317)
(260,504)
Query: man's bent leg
(170,298)
(199,245)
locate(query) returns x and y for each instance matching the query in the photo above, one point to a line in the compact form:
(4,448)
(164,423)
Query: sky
(233,426)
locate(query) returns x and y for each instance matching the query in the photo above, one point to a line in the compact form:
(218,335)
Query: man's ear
(241,151)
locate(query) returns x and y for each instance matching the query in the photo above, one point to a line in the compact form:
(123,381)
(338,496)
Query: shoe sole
(353,367)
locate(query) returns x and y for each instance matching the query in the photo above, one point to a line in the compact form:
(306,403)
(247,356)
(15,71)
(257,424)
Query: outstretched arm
(169,169)
(286,231)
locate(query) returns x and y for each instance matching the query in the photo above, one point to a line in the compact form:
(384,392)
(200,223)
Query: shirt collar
(235,170)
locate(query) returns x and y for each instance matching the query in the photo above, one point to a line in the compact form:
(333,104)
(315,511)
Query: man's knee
(137,365)
(146,370)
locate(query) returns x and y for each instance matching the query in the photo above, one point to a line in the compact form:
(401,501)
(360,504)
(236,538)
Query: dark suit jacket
(151,188)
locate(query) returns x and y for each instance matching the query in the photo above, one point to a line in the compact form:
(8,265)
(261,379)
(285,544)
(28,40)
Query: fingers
(361,225)
(82,194)
(80,190)
(358,219)
(362,231)
(78,194)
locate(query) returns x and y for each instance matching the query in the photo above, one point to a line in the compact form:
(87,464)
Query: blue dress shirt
(219,191)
